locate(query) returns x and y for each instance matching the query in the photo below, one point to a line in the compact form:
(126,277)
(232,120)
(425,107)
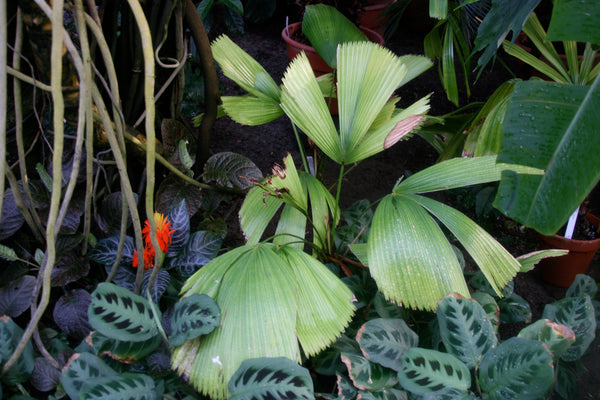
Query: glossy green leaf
(549,126)
(82,368)
(325,28)
(124,386)
(271,378)
(119,314)
(465,329)
(577,313)
(429,371)
(193,316)
(410,257)
(383,341)
(231,170)
(575,20)
(366,375)
(557,337)
(517,369)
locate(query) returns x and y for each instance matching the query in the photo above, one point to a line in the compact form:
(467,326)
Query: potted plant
(374,15)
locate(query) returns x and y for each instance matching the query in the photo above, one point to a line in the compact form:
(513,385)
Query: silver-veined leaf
(578,314)
(430,371)
(120,314)
(517,369)
(193,316)
(180,222)
(271,378)
(384,341)
(105,251)
(465,329)
(161,283)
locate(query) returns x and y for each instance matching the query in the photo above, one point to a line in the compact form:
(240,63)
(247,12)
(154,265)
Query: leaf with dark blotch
(45,377)
(16,296)
(194,315)
(367,375)
(160,284)
(10,335)
(270,378)
(383,341)
(128,385)
(119,314)
(80,369)
(231,170)
(71,313)
(12,219)
(582,285)
(70,268)
(172,191)
(105,251)
(121,350)
(180,223)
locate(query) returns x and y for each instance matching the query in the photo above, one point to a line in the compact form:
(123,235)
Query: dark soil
(268,144)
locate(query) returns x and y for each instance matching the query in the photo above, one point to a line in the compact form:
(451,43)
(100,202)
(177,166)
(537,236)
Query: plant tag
(571,224)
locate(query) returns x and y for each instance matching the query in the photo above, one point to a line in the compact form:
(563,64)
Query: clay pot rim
(588,243)
(293,27)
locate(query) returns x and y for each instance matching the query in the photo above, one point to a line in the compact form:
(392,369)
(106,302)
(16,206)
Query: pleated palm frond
(275,302)
(295,190)
(368,75)
(408,254)
(262,103)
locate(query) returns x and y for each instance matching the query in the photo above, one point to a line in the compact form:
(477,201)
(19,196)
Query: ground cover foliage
(118,281)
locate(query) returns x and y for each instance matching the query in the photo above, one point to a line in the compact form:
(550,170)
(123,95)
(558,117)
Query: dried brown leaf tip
(402,129)
(279,171)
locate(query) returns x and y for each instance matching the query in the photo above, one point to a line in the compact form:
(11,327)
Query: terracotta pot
(318,64)
(373,16)
(561,271)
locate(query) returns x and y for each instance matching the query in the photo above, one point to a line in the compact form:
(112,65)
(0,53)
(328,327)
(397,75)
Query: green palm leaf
(271,298)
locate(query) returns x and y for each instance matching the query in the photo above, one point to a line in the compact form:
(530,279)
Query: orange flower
(163,235)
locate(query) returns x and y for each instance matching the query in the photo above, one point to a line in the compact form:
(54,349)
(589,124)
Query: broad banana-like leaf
(517,369)
(465,329)
(575,20)
(367,77)
(275,302)
(325,28)
(553,127)
(384,341)
(578,314)
(271,378)
(557,337)
(262,103)
(426,371)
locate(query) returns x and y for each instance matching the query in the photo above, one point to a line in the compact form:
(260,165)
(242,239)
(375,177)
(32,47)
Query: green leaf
(235,5)
(557,337)
(328,362)
(384,341)
(231,170)
(490,307)
(394,393)
(120,314)
(582,285)
(410,257)
(530,260)
(175,137)
(517,369)
(16,297)
(326,28)
(549,126)
(271,378)
(575,20)
(566,382)
(10,335)
(429,371)
(578,314)
(81,369)
(7,253)
(367,375)
(256,212)
(438,9)
(193,316)
(465,329)
(514,308)
(123,351)
(124,386)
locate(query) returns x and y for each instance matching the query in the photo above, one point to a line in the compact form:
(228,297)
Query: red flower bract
(163,235)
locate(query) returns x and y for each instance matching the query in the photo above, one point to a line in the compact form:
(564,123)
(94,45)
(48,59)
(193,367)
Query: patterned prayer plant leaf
(81,368)
(125,386)
(367,375)
(10,335)
(195,315)
(120,314)
(517,369)
(514,308)
(430,371)
(395,393)
(16,297)
(465,329)
(582,285)
(557,337)
(120,350)
(270,378)
(383,341)
(231,170)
